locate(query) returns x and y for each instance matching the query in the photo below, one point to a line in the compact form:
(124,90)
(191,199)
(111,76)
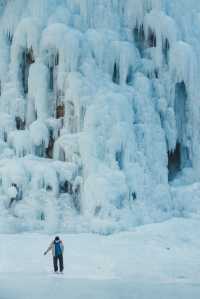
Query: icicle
(38,88)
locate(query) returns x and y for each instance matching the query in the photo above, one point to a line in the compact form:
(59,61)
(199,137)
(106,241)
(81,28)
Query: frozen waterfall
(99,113)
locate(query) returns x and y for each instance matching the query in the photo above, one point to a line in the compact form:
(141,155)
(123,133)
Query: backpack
(58,250)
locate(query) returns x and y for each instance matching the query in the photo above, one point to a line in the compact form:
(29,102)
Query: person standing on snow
(57,249)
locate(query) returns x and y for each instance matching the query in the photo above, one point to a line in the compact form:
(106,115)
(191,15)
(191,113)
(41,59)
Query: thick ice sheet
(41,287)
(159,261)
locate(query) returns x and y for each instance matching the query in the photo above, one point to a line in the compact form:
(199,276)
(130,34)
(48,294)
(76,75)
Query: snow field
(157,260)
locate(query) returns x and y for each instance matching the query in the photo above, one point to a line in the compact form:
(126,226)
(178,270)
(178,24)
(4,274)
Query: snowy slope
(156,261)
(99,113)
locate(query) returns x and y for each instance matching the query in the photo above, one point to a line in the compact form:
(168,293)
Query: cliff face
(99,113)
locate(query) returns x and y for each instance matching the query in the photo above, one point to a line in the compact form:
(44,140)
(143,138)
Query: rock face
(99,112)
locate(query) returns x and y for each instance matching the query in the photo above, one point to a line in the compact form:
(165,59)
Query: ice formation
(99,113)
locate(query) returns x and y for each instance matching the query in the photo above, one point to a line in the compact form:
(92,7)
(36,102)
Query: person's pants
(55,263)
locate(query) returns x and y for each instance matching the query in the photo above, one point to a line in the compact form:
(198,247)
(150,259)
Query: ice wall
(99,112)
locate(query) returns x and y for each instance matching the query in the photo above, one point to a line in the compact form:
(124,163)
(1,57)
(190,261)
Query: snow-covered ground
(153,261)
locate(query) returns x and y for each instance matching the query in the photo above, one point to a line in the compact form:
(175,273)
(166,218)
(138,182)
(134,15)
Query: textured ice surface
(99,113)
(156,261)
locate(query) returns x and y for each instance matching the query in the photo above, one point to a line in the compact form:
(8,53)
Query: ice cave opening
(180,110)
(177,160)
(179,157)
(174,162)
